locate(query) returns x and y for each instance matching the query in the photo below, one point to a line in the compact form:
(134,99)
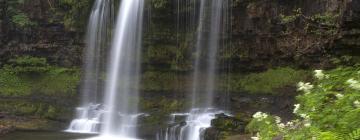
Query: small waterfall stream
(116,114)
(98,34)
(203,110)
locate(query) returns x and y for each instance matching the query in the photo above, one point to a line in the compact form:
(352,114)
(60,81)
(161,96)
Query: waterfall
(98,34)
(203,110)
(121,90)
(117,114)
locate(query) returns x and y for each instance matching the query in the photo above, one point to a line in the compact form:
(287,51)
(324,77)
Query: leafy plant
(159,3)
(328,110)
(285,19)
(18,17)
(76,12)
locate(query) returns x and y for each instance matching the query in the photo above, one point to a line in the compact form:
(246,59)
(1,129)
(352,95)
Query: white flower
(281,125)
(307,124)
(319,74)
(357,103)
(313,109)
(260,116)
(290,124)
(257,137)
(353,84)
(306,87)
(304,116)
(296,109)
(277,119)
(339,96)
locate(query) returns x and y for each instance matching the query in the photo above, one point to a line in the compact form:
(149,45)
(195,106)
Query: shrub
(328,110)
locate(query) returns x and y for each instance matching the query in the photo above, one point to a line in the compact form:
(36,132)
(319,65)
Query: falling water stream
(117,115)
(89,113)
(121,87)
(203,110)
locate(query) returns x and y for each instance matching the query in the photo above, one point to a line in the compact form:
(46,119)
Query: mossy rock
(268,82)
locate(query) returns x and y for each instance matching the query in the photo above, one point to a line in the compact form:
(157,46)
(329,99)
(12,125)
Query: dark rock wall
(47,38)
(259,35)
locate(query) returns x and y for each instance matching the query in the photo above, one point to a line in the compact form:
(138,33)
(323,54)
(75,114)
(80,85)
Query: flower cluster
(257,137)
(280,125)
(306,87)
(319,74)
(296,109)
(333,96)
(339,96)
(353,84)
(260,116)
(357,103)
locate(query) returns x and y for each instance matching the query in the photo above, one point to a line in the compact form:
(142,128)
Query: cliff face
(283,32)
(264,33)
(38,27)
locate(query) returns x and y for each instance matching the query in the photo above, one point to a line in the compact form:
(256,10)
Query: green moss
(159,109)
(11,84)
(22,20)
(267,82)
(160,54)
(35,108)
(159,81)
(26,76)
(74,12)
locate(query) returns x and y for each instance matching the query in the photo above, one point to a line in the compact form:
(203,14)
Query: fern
(354,135)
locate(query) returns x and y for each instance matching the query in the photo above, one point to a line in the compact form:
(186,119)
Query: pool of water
(35,135)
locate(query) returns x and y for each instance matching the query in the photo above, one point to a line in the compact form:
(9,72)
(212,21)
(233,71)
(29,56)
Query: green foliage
(159,3)
(18,17)
(31,108)
(290,18)
(11,84)
(158,81)
(328,110)
(326,19)
(159,109)
(267,82)
(22,20)
(27,75)
(76,12)
(28,65)
(355,135)
(327,24)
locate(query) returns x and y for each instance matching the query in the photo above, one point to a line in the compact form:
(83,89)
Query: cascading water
(89,113)
(121,86)
(116,116)
(202,99)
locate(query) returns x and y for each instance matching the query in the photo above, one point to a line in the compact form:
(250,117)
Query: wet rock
(4,129)
(224,126)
